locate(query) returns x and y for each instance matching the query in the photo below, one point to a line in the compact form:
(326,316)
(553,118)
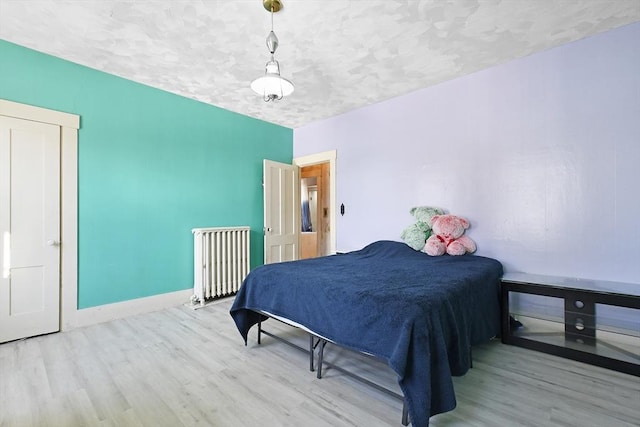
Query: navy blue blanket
(421,314)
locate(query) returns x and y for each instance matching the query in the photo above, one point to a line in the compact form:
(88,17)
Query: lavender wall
(541,154)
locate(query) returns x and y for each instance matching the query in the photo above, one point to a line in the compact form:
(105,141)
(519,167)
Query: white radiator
(221,262)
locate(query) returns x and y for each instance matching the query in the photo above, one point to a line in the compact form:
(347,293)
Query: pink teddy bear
(447,236)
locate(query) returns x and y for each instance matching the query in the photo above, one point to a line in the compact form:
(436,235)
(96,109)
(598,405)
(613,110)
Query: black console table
(574,318)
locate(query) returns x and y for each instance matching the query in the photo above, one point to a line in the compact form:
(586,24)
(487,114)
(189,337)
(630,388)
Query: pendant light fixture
(271,85)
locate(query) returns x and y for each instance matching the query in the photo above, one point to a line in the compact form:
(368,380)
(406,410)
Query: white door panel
(29,228)
(281,212)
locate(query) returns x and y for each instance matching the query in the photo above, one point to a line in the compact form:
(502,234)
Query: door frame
(69,125)
(314,159)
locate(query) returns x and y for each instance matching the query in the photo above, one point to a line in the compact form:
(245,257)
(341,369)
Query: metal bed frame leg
(405,413)
(320,357)
(323,343)
(311,352)
(314,341)
(259,331)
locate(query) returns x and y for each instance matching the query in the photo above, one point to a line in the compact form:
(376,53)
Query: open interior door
(281,212)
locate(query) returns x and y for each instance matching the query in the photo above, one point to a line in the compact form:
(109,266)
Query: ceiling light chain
(271,85)
(272,17)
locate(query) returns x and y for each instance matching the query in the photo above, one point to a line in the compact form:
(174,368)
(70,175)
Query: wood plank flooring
(180,367)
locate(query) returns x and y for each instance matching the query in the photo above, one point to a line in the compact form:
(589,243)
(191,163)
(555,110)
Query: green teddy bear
(417,234)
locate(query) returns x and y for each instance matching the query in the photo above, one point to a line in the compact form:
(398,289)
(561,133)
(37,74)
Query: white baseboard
(118,310)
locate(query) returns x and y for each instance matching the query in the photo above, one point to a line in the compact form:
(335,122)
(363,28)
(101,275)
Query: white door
(29,228)
(281,212)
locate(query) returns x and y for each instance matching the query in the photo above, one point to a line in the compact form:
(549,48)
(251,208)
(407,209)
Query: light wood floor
(181,367)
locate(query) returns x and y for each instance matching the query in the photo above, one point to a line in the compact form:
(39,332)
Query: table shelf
(574,318)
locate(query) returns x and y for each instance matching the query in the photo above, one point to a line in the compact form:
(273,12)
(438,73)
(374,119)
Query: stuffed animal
(447,236)
(416,234)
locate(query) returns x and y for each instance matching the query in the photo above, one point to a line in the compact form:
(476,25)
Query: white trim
(314,159)
(118,310)
(38,114)
(69,228)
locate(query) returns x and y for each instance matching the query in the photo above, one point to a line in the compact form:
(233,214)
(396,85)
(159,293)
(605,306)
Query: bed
(418,313)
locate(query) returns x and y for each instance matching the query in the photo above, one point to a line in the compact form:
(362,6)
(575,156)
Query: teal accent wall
(151,166)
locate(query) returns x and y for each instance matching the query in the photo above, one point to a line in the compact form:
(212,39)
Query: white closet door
(29,228)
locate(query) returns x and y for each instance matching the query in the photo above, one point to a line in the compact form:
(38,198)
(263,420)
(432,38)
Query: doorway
(314,197)
(317,196)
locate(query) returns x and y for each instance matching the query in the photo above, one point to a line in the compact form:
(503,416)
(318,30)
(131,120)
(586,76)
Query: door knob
(53,242)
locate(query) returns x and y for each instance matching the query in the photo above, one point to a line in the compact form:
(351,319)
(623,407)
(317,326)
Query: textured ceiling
(340,54)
